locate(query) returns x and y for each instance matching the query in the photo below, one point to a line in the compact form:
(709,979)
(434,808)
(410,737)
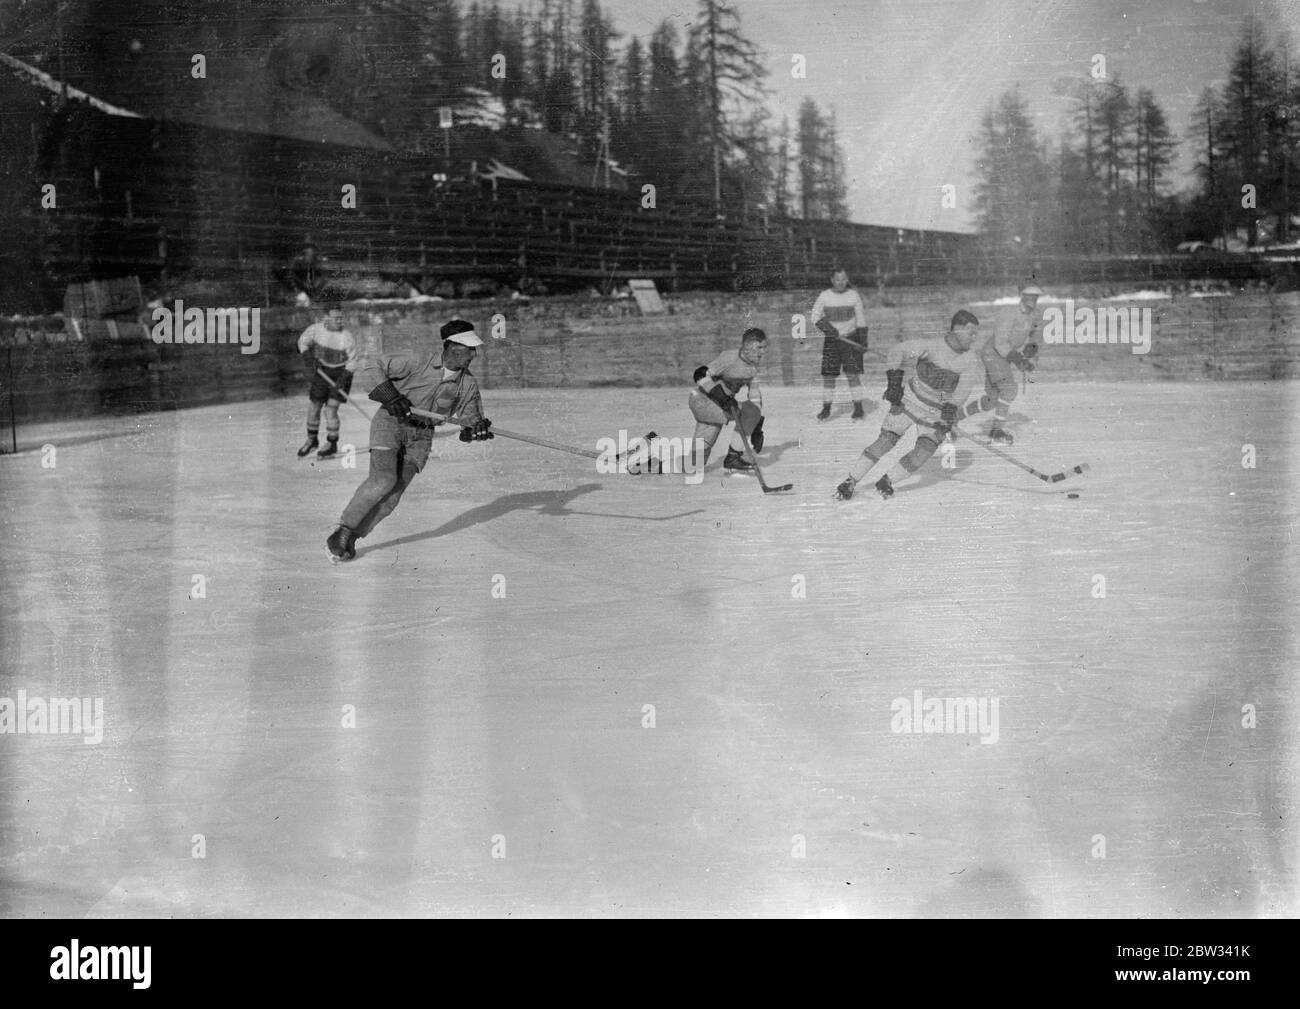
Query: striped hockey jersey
(333,348)
(843,311)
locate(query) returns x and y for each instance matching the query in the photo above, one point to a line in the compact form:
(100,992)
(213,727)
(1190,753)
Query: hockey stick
(1046,478)
(753,458)
(862,347)
(544,443)
(440,418)
(346,398)
(619,460)
(340,457)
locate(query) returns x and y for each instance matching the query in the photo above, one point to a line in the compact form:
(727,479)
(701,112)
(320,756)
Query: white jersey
(332,347)
(844,310)
(1013,327)
(939,373)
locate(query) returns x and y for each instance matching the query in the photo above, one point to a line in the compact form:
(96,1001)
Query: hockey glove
(394,402)
(477,432)
(827,329)
(309,362)
(947,418)
(1025,362)
(344,383)
(860,336)
(756,436)
(724,399)
(701,373)
(894,390)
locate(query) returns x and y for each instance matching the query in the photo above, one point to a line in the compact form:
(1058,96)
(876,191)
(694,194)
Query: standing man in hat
(400,441)
(839,314)
(1013,346)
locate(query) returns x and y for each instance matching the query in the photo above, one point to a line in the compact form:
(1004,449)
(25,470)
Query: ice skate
(737,463)
(341,544)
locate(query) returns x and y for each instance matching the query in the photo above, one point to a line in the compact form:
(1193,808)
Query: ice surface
(522,717)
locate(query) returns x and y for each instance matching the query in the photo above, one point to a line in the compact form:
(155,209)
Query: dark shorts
(320,390)
(837,355)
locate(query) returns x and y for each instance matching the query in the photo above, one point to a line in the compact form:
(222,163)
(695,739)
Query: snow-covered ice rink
(540,690)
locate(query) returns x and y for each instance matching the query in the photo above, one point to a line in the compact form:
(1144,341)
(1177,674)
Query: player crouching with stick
(943,374)
(713,402)
(400,442)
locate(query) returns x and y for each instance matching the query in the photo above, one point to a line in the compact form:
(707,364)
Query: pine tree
(822,192)
(1011,194)
(731,76)
(1153,155)
(1208,211)
(810,156)
(1252,91)
(781,170)
(663,130)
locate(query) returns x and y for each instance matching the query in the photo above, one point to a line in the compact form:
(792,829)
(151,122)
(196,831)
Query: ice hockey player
(1015,344)
(943,374)
(399,440)
(331,348)
(838,313)
(713,401)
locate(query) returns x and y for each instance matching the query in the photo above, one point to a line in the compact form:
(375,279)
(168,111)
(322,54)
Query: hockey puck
(1072,495)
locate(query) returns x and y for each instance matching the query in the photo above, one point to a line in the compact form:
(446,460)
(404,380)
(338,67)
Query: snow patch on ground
(1144,295)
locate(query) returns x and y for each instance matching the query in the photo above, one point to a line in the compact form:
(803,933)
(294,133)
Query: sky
(909,79)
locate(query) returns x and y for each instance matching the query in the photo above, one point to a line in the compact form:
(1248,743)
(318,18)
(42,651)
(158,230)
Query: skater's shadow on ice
(933,472)
(769,455)
(544,502)
(30,446)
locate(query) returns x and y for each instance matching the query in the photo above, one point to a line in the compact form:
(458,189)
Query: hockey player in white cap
(1015,344)
(400,441)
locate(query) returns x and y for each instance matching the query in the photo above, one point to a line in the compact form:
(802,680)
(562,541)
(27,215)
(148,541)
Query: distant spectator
(309,272)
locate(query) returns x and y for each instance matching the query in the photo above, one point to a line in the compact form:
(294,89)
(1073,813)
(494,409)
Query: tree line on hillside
(683,108)
(1106,185)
